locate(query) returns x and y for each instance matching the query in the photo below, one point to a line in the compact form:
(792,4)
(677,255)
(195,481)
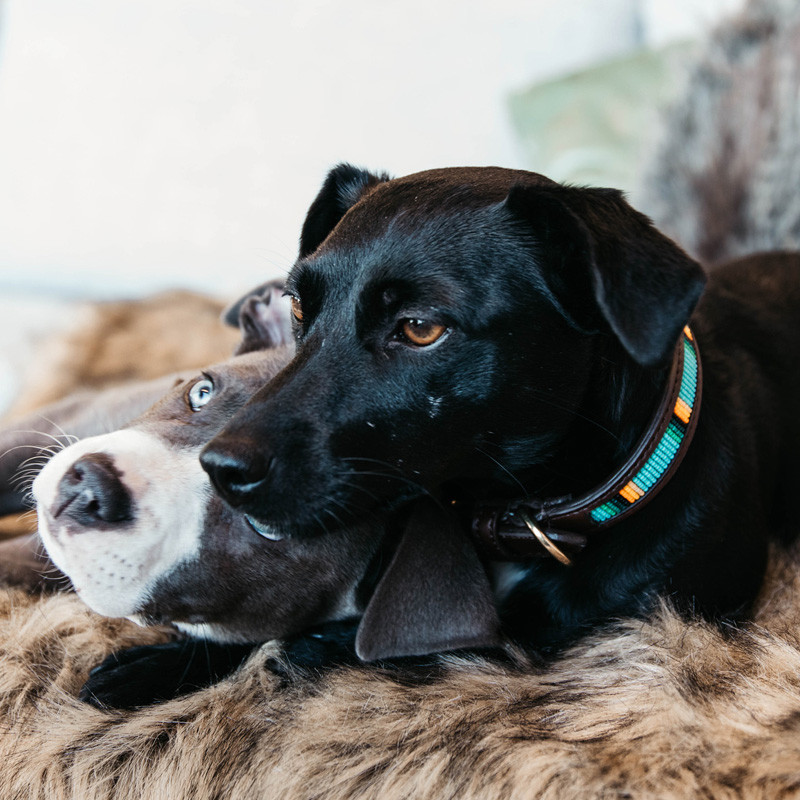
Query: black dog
(506,345)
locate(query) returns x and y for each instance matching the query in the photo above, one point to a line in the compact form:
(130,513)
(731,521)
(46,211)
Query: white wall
(179,142)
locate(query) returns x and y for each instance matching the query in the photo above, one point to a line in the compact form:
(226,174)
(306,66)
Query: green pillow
(596,126)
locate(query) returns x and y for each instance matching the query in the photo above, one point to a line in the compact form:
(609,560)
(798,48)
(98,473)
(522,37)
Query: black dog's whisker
(377,461)
(393,473)
(336,518)
(548,399)
(320,523)
(505,470)
(356,487)
(365,513)
(418,487)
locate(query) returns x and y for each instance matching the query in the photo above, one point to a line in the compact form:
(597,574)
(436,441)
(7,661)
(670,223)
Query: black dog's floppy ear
(601,255)
(263,316)
(434,595)
(342,189)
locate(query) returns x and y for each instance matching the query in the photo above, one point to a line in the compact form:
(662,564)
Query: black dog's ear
(434,595)
(605,261)
(263,316)
(342,189)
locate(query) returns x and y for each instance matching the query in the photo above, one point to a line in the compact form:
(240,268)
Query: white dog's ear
(434,595)
(263,316)
(344,186)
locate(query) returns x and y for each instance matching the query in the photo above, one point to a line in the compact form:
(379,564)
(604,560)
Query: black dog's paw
(142,676)
(149,674)
(331,644)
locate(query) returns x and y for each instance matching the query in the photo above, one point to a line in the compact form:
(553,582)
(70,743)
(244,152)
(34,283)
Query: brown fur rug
(126,340)
(659,709)
(664,709)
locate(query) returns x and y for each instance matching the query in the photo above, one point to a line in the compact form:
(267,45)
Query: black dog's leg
(327,645)
(142,676)
(149,674)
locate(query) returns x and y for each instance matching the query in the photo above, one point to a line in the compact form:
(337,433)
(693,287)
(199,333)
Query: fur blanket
(665,709)
(724,180)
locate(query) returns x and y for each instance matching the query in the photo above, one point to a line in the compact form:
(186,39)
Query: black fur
(343,187)
(140,676)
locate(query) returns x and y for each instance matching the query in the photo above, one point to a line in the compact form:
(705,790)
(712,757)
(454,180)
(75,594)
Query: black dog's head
(454,327)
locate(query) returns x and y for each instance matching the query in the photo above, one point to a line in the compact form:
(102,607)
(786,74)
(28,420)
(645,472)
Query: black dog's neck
(619,403)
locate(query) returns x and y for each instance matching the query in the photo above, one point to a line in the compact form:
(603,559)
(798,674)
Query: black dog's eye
(422,332)
(297,309)
(200,393)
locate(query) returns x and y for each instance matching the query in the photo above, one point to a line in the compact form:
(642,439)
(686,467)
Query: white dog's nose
(91,492)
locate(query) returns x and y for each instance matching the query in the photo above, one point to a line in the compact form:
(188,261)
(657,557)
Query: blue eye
(200,394)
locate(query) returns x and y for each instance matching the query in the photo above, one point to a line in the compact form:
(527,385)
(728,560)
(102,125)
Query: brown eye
(297,309)
(422,332)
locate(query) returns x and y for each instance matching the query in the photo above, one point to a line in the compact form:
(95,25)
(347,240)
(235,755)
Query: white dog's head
(132,519)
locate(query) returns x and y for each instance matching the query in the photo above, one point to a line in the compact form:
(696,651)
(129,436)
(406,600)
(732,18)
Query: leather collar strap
(560,527)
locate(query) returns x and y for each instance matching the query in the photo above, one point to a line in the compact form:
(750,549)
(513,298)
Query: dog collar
(561,527)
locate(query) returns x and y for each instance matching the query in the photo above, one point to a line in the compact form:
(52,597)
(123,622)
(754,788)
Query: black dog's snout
(237,472)
(91,491)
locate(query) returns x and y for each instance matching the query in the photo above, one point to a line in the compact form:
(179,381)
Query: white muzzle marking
(113,568)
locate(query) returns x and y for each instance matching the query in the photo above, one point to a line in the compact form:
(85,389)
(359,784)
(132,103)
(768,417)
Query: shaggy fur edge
(723,182)
(663,708)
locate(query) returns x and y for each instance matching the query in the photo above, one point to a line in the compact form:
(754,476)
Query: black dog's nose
(237,472)
(91,492)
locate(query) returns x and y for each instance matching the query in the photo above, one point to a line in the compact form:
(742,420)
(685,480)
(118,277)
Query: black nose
(239,473)
(91,492)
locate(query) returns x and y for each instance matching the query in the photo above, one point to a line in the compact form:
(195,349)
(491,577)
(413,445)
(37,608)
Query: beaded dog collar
(560,527)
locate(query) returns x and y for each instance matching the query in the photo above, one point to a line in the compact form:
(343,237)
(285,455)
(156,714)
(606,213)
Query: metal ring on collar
(543,540)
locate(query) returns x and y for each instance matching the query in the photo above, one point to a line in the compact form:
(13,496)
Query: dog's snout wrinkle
(91,491)
(237,471)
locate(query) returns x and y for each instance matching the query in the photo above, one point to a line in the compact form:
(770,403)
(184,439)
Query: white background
(154,143)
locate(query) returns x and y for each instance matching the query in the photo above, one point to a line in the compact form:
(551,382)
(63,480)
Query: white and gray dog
(131,518)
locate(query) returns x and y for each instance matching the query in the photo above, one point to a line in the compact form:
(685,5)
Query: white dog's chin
(113,569)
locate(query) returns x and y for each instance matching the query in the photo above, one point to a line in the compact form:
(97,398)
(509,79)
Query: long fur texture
(664,709)
(724,180)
